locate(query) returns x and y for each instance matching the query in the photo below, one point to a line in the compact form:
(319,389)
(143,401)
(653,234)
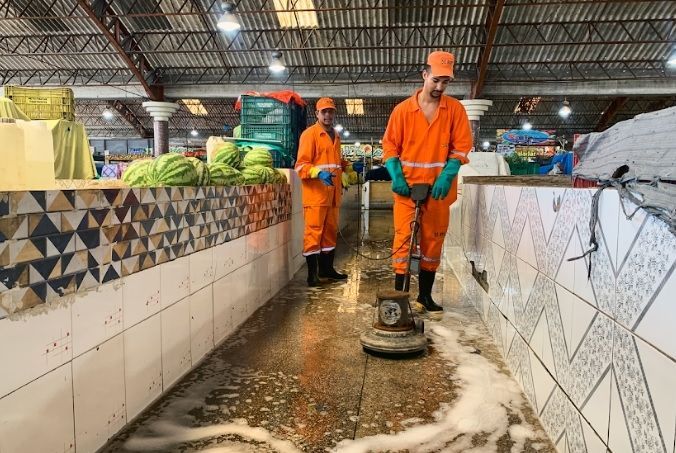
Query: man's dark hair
(427,68)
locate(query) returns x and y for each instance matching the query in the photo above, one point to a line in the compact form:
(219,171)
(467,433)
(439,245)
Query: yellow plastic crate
(43,103)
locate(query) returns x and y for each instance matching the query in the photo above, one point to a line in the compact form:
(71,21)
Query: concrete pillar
(475,109)
(161,112)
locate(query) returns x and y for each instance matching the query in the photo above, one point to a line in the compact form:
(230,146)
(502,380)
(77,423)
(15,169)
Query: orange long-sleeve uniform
(424,149)
(320,202)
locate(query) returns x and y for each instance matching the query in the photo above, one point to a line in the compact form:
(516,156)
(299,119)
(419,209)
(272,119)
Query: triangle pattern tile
(60,200)
(88,199)
(99,217)
(131,198)
(112,196)
(25,250)
(111,272)
(139,213)
(61,286)
(130,265)
(138,247)
(11,277)
(121,214)
(147,196)
(4,204)
(13,228)
(27,202)
(44,224)
(130,231)
(161,256)
(46,269)
(74,262)
(121,250)
(32,296)
(88,279)
(87,239)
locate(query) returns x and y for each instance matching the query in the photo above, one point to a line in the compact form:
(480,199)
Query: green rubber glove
(399,184)
(444,181)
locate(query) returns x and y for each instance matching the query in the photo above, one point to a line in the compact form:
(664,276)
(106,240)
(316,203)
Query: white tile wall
(175,342)
(141,295)
(99,399)
(201,323)
(599,362)
(143,364)
(40,342)
(98,315)
(175,281)
(39,416)
(134,338)
(201,269)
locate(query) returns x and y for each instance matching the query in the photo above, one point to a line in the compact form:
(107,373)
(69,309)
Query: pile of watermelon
(228,168)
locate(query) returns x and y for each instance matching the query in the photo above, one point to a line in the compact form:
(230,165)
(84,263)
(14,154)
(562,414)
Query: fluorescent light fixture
(194,133)
(291,15)
(346,133)
(527,126)
(565,110)
(276,64)
(195,107)
(107,114)
(486,145)
(354,106)
(228,21)
(339,128)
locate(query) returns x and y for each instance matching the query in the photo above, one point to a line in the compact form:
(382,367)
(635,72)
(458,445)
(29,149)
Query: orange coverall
(320,202)
(424,149)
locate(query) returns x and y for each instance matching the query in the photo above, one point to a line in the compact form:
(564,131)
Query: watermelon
(136,174)
(171,169)
(224,175)
(202,171)
(280,177)
(258,174)
(258,156)
(227,153)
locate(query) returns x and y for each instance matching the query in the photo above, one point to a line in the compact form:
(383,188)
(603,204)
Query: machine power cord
(414,230)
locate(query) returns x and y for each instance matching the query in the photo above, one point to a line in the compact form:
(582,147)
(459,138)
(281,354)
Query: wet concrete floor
(294,377)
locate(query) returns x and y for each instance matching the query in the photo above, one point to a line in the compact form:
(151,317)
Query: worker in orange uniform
(320,168)
(428,138)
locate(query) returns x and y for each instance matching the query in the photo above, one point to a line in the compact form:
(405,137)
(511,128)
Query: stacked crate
(43,103)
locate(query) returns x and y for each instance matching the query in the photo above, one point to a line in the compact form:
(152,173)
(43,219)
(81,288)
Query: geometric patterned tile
(13,228)
(60,200)
(112,271)
(44,224)
(27,202)
(13,276)
(4,203)
(42,270)
(25,250)
(99,218)
(74,220)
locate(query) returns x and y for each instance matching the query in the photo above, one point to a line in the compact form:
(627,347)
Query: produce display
(231,166)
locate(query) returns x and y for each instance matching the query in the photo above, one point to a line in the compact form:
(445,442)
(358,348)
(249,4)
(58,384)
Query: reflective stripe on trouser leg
(321,229)
(433,228)
(404,213)
(330,234)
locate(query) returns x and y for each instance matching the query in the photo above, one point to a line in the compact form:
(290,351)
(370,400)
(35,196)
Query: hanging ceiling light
(107,114)
(486,145)
(194,133)
(565,110)
(276,64)
(527,126)
(338,128)
(346,133)
(357,143)
(671,60)
(228,21)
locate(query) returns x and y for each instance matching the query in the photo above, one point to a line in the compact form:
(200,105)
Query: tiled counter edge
(595,356)
(78,367)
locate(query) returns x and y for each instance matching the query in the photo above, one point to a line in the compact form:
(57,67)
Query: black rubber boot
(312,277)
(326,269)
(425,284)
(399,280)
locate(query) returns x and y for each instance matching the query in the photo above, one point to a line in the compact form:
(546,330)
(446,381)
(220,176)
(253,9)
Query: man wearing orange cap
(320,168)
(428,138)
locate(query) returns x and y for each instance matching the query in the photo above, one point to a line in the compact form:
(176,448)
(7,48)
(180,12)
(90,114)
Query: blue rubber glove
(326,177)
(399,184)
(444,181)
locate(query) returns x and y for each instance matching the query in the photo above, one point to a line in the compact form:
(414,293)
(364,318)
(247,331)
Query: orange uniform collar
(413,102)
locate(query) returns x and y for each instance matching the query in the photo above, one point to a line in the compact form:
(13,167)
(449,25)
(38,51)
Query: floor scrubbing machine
(395,329)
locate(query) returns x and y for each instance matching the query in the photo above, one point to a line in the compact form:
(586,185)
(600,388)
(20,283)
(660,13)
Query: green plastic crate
(286,135)
(525,168)
(281,158)
(257,110)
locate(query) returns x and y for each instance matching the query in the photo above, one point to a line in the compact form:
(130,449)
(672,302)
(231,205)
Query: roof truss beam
(492,22)
(131,118)
(610,112)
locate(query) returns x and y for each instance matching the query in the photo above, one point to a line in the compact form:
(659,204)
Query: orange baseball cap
(441,63)
(326,103)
